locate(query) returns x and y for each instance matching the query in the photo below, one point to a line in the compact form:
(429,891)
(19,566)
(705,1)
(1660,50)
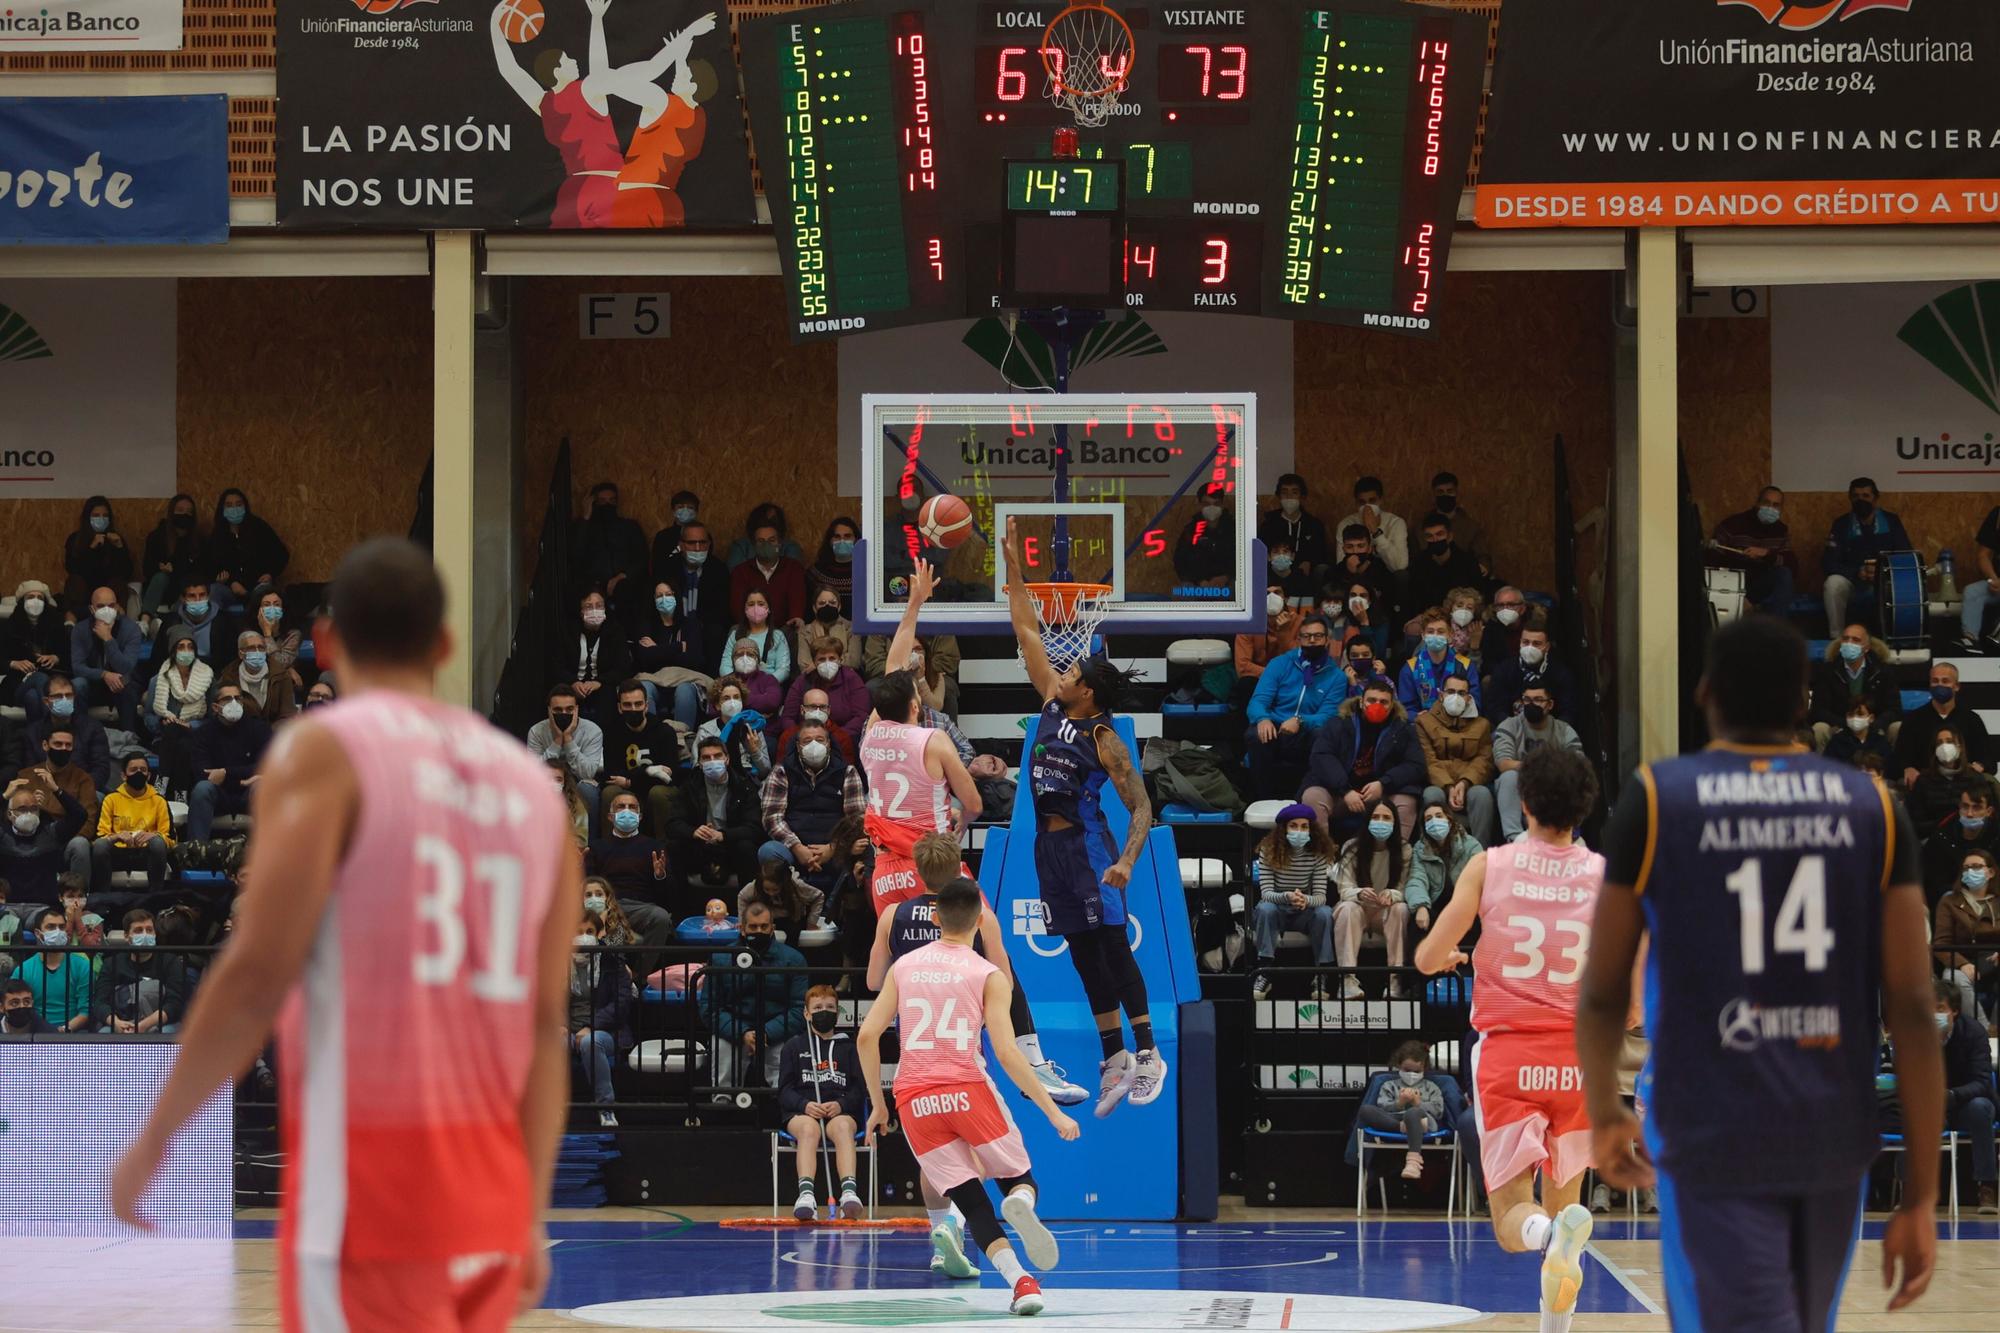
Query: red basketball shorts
(1529,1097)
(471,1293)
(961,1132)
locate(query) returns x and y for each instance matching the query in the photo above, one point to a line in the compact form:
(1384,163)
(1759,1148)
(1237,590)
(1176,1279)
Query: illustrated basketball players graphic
(408,920)
(1783,904)
(1533,900)
(940,997)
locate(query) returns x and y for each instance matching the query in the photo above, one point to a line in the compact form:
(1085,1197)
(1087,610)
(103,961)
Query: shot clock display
(1281,158)
(1063,234)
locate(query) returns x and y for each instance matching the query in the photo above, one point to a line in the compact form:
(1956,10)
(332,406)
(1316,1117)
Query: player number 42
(1801,925)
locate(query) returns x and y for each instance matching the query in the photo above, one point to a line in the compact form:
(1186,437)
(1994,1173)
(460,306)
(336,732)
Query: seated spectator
(1500,640)
(1371,876)
(715,830)
(832,571)
(814,706)
(804,798)
(1917,741)
(57,976)
(178,704)
(10,926)
(266,693)
(793,904)
(63,774)
(1758,542)
(1388,535)
(772,653)
(1443,564)
(1468,535)
(318,695)
(227,750)
(198,615)
(1458,758)
(765,515)
(846,692)
(1358,563)
(829,621)
(1368,753)
(84,927)
(625,925)
(668,645)
(1294,867)
(667,541)
(281,639)
(1341,630)
(104,648)
(1423,675)
(1294,527)
(1296,696)
(821,1098)
(1366,626)
(41,840)
(1855,547)
(1533,725)
(1967,918)
(1205,550)
(580,827)
(1981,588)
(753,1011)
(1858,735)
(1411,1104)
(134,831)
(639,757)
(568,737)
(94,556)
(1935,795)
(33,642)
(779,577)
(1946,846)
(245,550)
(601,1003)
(745,740)
(138,990)
(1253,652)
(19,1014)
(608,552)
(172,556)
(850,903)
(1437,858)
(1462,608)
(1533,663)
(1283,577)
(1857,666)
(1969,1091)
(592,656)
(700,583)
(61,708)
(636,865)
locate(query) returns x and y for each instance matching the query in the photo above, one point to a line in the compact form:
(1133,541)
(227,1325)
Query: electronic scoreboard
(1280,158)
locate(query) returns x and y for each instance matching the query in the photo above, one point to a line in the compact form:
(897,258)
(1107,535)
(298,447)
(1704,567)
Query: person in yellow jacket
(134,829)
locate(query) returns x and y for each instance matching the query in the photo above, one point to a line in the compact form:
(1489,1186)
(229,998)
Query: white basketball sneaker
(1114,1081)
(1149,1078)
(1056,1079)
(949,1244)
(1019,1210)
(1562,1262)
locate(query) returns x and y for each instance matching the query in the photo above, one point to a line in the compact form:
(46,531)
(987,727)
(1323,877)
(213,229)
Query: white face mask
(26,822)
(586,941)
(1506,615)
(140,939)
(1531,656)
(1290,504)
(812,715)
(231,710)
(729,708)
(593,902)
(813,753)
(1274,602)
(746,666)
(594,617)
(828,669)
(1858,723)
(1456,704)
(1212,513)
(34,606)
(105,614)
(1947,753)
(1357,605)
(1462,616)
(1410,1077)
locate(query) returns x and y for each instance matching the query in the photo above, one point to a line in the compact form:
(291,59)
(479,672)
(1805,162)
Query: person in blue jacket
(1855,547)
(1295,698)
(1369,752)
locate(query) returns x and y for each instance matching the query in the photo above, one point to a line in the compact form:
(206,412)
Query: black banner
(1742,112)
(427,114)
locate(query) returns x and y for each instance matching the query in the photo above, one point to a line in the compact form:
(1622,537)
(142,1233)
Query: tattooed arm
(1117,761)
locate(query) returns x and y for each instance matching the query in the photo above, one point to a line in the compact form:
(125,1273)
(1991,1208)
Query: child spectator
(820,1097)
(1410,1102)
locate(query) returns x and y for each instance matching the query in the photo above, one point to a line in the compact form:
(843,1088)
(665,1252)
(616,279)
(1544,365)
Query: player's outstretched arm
(522,82)
(1027,625)
(1907,1005)
(1603,1008)
(1000,1026)
(1117,761)
(868,1044)
(545,1099)
(923,582)
(304,803)
(1439,952)
(878,952)
(600,48)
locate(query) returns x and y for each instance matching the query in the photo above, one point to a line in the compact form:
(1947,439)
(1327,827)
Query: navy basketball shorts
(1756,1263)
(1071,866)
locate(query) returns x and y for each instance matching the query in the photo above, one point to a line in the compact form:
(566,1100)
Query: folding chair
(1438,1140)
(782,1143)
(1949,1142)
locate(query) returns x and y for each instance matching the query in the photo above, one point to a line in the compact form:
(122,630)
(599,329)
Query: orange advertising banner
(1738,203)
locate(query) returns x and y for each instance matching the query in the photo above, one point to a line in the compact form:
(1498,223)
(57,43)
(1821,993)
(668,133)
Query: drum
(1899,580)
(1725,594)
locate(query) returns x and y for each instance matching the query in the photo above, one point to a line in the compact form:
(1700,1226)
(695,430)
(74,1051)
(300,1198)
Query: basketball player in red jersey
(576,119)
(409,920)
(672,128)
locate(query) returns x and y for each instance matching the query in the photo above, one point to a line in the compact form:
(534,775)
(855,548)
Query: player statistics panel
(865,191)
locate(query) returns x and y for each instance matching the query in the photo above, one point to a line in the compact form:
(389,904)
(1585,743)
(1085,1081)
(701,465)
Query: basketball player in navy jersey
(1083,875)
(1785,908)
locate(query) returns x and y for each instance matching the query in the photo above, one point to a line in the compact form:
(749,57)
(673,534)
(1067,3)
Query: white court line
(792,1257)
(1624,1280)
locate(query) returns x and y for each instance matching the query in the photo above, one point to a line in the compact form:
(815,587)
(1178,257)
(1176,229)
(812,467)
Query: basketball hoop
(1087,51)
(1070,614)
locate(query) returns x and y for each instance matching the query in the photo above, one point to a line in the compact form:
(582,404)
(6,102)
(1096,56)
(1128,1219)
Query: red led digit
(1240,73)
(1156,543)
(1013,85)
(1032,551)
(1207,55)
(1163,428)
(1144,257)
(1115,74)
(1020,420)
(935,251)
(1215,266)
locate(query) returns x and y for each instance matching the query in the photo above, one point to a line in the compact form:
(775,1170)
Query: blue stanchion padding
(1193,710)
(203,877)
(1124,1166)
(1173,812)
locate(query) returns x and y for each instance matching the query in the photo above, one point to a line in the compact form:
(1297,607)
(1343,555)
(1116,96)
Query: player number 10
(1801,926)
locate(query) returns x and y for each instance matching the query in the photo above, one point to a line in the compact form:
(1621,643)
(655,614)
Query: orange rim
(1058,69)
(1058,600)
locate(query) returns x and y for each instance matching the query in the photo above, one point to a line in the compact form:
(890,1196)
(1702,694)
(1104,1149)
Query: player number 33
(1532,960)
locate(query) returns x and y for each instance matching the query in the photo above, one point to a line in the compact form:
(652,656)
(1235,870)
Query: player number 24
(441,906)
(1533,963)
(1801,926)
(959,1034)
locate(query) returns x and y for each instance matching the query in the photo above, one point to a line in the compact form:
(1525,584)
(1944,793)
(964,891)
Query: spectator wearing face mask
(639,756)
(1439,855)
(1469,535)
(773,654)
(57,977)
(1254,652)
(638,866)
(266,693)
(700,581)
(134,831)
(832,570)
(1916,744)
(1935,794)
(60,708)
(608,550)
(1969,1095)
(1462,608)
(1855,547)
(40,840)
(1284,576)
(1296,696)
(1758,542)
(1358,563)
(104,649)
(1370,879)
(19,1016)
(33,643)
(1967,918)
(1294,868)
(1291,525)
(1501,637)
(667,541)
(1363,665)
(566,736)
(1205,551)
(1368,615)
(138,990)
(281,639)
(1442,564)
(670,643)
(794,904)
(1971,829)
(821,1098)
(245,550)
(1514,739)
(804,798)
(743,737)
(197,615)
(1367,754)
(601,1004)
(1388,535)
(62,773)
(94,556)
(592,655)
(1458,757)
(1533,663)
(1422,678)
(829,621)
(179,702)
(1858,736)
(715,829)
(227,750)
(318,695)
(1856,666)
(84,926)
(935,659)
(173,555)
(816,708)
(770,515)
(846,692)
(779,577)
(753,1011)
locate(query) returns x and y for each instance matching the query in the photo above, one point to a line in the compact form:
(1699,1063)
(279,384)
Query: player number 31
(441,907)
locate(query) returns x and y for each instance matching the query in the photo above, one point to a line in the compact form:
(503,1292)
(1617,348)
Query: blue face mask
(1298,837)
(684,515)
(235,514)
(1767,515)
(696,559)
(1437,828)
(665,604)
(100,523)
(272,614)
(843,549)
(1434,643)
(1973,877)
(1851,652)
(1972,823)
(255,661)
(196,609)
(1380,829)
(62,707)
(714,769)
(625,821)
(1943,694)
(1281,564)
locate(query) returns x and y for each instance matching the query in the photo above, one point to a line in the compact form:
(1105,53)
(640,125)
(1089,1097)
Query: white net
(1088,55)
(1070,614)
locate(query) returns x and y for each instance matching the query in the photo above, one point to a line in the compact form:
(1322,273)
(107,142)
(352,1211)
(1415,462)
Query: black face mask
(58,758)
(757,944)
(636,721)
(826,615)
(825,1021)
(136,781)
(1534,714)
(1438,548)
(1313,652)
(1862,509)
(1445,503)
(20,1018)
(604,509)
(561,720)
(183,521)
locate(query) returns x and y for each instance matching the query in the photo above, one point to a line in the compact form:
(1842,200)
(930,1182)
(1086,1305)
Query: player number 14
(1801,926)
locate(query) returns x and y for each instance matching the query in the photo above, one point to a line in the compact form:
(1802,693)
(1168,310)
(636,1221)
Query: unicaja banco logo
(1951,333)
(1799,16)
(18,339)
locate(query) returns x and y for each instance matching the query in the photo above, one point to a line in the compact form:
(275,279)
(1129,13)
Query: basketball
(520,20)
(945,520)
